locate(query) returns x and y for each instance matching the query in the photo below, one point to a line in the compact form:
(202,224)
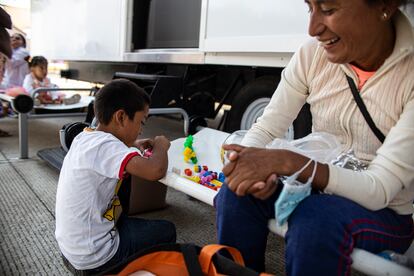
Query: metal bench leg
(23,136)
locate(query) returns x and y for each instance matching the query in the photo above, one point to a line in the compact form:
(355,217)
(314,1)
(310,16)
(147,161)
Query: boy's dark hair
(38,60)
(119,94)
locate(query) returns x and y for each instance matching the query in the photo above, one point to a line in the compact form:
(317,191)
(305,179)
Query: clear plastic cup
(234,138)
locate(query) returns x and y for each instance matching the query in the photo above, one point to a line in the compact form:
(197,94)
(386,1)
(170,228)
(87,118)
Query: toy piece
(221,177)
(204,177)
(189,153)
(188,172)
(193,178)
(216,183)
(147,152)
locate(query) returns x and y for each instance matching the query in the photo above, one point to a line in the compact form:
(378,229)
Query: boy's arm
(154,167)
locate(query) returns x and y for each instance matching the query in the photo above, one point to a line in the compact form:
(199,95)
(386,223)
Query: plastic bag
(234,138)
(320,146)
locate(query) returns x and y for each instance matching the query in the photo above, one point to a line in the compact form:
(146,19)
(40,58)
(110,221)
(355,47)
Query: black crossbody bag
(364,110)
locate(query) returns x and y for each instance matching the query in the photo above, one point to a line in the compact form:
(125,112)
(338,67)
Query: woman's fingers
(232,155)
(256,187)
(249,171)
(233,147)
(268,189)
(242,188)
(228,168)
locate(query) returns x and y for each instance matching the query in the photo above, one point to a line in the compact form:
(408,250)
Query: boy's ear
(119,117)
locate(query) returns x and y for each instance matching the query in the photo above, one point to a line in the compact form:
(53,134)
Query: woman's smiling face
(348,30)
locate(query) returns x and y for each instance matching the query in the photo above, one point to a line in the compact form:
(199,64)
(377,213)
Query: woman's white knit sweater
(389,98)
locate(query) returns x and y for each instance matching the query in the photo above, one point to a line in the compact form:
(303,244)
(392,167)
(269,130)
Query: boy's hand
(162,142)
(153,167)
(143,144)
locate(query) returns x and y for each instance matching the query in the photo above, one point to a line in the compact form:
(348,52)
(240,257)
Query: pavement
(28,189)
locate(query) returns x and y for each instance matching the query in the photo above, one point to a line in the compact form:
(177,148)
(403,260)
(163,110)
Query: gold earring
(384,16)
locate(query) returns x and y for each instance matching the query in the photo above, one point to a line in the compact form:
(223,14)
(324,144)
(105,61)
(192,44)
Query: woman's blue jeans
(323,230)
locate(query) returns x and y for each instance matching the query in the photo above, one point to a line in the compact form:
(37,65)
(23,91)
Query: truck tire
(249,103)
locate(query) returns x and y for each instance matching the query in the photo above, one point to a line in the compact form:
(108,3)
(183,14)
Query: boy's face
(133,128)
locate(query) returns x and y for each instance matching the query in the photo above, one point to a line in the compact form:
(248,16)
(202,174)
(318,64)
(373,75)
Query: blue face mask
(292,194)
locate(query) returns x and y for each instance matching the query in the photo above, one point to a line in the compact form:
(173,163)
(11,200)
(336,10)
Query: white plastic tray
(207,144)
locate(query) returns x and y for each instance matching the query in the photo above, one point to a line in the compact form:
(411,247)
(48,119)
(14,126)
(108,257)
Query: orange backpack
(188,259)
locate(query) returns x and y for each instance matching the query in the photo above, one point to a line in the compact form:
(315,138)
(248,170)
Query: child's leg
(4,108)
(324,229)
(72,99)
(43,98)
(135,235)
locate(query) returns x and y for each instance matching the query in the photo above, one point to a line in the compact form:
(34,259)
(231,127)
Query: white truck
(194,54)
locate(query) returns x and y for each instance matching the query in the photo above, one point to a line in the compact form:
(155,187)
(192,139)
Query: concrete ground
(28,187)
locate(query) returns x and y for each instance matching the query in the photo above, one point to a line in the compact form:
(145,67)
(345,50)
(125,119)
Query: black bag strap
(190,255)
(364,110)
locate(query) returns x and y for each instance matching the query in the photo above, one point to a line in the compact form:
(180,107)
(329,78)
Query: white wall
(78,29)
(255,25)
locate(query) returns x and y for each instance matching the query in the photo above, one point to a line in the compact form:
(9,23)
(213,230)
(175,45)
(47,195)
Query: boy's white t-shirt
(87,182)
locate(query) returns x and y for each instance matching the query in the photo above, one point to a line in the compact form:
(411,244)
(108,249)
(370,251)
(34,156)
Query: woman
(17,67)
(372,42)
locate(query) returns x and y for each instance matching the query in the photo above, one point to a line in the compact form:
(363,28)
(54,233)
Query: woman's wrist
(286,162)
(294,162)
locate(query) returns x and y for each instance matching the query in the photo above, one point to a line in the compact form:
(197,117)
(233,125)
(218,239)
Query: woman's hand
(252,170)
(264,189)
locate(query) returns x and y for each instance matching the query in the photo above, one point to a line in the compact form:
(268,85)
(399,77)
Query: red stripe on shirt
(125,162)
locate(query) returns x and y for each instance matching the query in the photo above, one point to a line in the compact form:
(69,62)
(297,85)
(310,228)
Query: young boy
(88,231)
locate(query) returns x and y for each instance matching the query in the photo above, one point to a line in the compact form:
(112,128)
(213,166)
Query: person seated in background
(92,232)
(37,78)
(4,107)
(17,67)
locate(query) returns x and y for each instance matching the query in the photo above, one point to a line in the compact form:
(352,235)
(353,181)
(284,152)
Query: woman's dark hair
(119,94)
(37,60)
